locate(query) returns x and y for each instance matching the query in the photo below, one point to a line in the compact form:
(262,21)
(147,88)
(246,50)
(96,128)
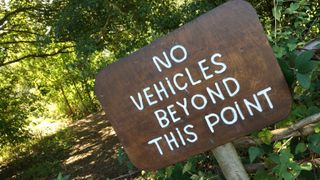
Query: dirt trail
(94,151)
(91,152)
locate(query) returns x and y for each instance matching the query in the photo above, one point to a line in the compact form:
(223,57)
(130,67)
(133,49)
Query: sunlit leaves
(265,135)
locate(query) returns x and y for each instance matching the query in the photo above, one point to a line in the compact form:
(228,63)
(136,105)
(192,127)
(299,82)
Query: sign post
(229,162)
(207,83)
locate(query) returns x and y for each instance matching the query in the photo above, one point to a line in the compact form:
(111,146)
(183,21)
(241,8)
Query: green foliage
(197,167)
(124,159)
(265,135)
(62,177)
(286,168)
(314,143)
(14,109)
(36,158)
(254,152)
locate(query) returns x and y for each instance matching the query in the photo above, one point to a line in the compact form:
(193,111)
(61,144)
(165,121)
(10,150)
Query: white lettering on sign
(172,142)
(213,119)
(165,61)
(216,91)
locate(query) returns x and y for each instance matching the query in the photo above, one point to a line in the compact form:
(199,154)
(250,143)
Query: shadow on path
(94,151)
(86,149)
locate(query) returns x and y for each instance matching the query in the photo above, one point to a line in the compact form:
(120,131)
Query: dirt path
(94,151)
(86,149)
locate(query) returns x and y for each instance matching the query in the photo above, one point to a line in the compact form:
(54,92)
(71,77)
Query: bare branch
(28,42)
(301,128)
(293,130)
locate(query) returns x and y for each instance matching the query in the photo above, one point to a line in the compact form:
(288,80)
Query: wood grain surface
(232,30)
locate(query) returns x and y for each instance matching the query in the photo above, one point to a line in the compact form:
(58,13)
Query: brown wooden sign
(209,82)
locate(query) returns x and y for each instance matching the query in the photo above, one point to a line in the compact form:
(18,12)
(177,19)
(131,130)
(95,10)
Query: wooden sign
(213,80)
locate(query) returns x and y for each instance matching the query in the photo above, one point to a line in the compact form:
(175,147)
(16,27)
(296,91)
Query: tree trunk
(66,101)
(80,96)
(84,86)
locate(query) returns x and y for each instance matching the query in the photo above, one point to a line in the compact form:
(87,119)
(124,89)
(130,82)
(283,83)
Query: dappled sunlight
(41,127)
(90,151)
(106,132)
(94,152)
(46,126)
(77,157)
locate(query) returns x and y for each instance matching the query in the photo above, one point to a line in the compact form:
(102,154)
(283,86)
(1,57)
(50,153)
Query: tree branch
(17,42)
(294,130)
(7,31)
(36,55)
(28,42)
(301,128)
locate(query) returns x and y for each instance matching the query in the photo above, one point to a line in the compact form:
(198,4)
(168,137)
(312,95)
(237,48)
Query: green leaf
(265,135)
(194,177)
(254,152)
(274,158)
(293,7)
(299,110)
(301,147)
(187,167)
(292,46)
(285,156)
(303,62)
(304,80)
(313,110)
(277,145)
(287,72)
(314,143)
(307,166)
(305,56)
(276,11)
(262,174)
(317,129)
(169,171)
(279,51)
(59,176)
(287,175)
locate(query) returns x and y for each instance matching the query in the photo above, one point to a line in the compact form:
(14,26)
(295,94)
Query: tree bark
(230,163)
(79,95)
(66,101)
(301,128)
